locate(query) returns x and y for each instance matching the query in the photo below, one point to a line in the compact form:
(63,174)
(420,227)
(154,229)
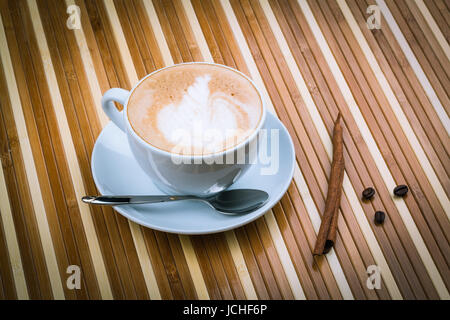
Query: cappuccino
(195,109)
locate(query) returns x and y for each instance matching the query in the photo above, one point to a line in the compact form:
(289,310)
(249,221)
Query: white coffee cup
(200,175)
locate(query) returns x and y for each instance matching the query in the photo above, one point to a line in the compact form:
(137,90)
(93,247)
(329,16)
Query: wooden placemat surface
(312,59)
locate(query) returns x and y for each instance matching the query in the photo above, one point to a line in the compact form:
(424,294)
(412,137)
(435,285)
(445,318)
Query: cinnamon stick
(331,239)
(327,232)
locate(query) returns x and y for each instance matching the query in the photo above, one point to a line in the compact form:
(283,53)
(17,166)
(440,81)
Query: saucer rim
(260,211)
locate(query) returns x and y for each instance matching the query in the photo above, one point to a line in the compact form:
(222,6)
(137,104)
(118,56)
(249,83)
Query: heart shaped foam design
(202,119)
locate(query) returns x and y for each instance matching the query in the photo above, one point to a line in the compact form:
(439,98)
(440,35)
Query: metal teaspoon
(237,201)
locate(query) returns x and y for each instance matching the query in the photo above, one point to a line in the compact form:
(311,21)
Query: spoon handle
(130,199)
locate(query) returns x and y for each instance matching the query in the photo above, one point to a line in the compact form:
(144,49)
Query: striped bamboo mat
(312,59)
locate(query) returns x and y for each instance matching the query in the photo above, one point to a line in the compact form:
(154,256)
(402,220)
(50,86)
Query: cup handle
(116,116)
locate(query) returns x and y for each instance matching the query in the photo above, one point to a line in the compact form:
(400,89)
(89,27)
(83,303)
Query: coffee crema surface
(195,109)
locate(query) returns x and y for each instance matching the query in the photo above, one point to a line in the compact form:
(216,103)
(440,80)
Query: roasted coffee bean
(379,217)
(401,190)
(368,193)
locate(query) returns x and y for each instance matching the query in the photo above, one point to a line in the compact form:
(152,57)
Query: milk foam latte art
(195,109)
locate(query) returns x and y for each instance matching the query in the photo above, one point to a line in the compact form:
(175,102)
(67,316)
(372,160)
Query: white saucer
(115,171)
